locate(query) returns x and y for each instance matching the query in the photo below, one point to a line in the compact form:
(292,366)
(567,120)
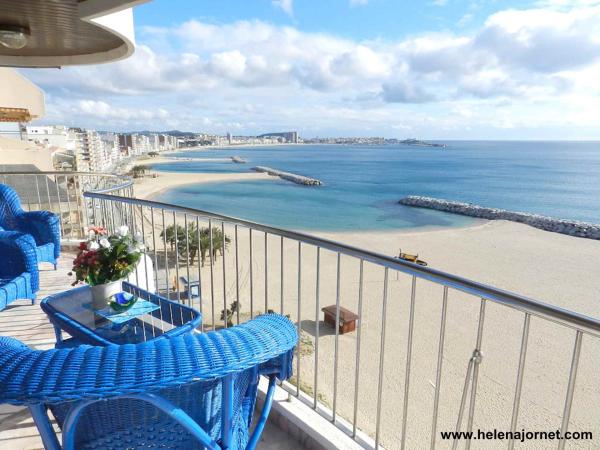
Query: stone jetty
(238,160)
(298,179)
(563,226)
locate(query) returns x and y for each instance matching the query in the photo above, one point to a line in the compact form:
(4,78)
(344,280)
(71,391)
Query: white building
(49,136)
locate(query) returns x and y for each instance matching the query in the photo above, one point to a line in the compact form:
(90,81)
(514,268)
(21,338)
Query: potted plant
(104,261)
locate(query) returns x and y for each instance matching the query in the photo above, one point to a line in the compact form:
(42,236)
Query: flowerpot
(102,293)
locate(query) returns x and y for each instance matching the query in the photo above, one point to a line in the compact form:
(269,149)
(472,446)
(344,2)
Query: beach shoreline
(156,183)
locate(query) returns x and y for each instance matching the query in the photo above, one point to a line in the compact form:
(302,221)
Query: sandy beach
(156,182)
(549,267)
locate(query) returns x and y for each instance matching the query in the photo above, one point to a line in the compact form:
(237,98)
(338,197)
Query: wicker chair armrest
(44,226)
(18,252)
(32,377)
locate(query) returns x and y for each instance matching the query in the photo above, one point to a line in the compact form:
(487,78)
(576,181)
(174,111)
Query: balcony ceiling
(65,32)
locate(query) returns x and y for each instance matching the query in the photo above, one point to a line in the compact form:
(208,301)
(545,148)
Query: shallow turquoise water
(363,184)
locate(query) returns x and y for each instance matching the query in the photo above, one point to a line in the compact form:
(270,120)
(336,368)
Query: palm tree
(196,242)
(138,171)
(169,236)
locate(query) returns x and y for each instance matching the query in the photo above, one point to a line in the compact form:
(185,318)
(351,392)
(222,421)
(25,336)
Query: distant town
(96,151)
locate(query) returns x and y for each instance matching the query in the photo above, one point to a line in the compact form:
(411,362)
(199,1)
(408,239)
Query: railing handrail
(127,180)
(62,172)
(534,307)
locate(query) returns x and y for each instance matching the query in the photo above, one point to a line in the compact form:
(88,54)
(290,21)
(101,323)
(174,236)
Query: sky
(432,69)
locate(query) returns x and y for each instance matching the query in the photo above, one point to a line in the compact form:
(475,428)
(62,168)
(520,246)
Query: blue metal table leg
(264,415)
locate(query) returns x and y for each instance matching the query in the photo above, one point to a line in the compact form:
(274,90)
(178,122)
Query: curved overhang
(69,32)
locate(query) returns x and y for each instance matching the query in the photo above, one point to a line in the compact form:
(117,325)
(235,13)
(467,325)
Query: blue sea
(362,184)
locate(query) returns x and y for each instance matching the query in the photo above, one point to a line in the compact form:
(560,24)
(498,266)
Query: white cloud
(536,61)
(286,5)
(358,2)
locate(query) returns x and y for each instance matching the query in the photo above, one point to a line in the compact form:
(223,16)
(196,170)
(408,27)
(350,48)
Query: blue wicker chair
(19,278)
(44,226)
(186,392)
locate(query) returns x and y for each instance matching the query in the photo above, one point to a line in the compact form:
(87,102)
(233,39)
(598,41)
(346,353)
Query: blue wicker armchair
(44,226)
(187,392)
(19,277)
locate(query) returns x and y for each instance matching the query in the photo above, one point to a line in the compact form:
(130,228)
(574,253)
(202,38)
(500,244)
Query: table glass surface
(147,319)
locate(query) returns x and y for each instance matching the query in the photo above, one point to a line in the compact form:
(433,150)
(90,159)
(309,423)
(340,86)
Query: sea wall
(298,179)
(568,227)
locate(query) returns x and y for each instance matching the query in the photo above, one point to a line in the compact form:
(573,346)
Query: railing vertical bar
(50,203)
(337,335)
(358,336)
(411,322)
(95,219)
(463,401)
(28,198)
(62,234)
(299,323)
(143,242)
(154,248)
(266,273)
(223,249)
(69,206)
(133,234)
(438,375)
(78,203)
(113,219)
(251,277)
(475,372)
(176,285)
(81,189)
(381,359)
(212,275)
(164,233)
(200,300)
(570,389)
(131,218)
(237,275)
(519,385)
(187,259)
(103,213)
(317,325)
(281,276)
(37,189)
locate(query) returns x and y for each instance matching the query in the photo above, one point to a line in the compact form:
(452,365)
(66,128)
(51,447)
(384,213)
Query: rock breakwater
(563,226)
(298,179)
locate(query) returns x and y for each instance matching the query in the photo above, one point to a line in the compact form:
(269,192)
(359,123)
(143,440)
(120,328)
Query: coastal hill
(416,142)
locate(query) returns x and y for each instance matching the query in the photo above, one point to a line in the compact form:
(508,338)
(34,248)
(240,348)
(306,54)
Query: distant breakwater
(298,179)
(563,226)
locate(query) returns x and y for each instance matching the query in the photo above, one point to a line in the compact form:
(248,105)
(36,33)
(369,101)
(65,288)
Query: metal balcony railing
(62,193)
(431,352)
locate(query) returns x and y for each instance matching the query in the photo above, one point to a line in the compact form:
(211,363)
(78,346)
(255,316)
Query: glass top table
(151,317)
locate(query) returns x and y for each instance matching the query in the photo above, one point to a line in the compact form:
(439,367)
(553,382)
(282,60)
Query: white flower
(92,245)
(137,237)
(123,230)
(104,243)
(132,249)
